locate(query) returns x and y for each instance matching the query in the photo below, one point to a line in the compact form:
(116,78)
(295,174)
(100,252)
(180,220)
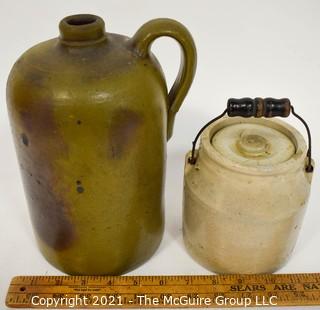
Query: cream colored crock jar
(246,188)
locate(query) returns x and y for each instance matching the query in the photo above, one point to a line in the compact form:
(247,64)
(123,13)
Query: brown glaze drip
(123,132)
(49,212)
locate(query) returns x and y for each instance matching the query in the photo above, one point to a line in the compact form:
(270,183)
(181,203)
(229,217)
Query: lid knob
(253,145)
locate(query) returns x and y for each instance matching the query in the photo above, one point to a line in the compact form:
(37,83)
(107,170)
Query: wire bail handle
(257,107)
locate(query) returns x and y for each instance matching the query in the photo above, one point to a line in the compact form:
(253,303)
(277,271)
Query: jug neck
(82,30)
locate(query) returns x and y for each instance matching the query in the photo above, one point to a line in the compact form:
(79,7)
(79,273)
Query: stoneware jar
(246,189)
(91,115)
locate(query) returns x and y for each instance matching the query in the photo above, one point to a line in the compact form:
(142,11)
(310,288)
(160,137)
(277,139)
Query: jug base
(71,268)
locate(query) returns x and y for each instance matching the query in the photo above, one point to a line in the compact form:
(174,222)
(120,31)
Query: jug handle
(142,41)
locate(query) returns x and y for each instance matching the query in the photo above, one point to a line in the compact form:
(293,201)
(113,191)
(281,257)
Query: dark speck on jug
(25,139)
(80,189)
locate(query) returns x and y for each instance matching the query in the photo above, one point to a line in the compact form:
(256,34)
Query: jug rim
(82,30)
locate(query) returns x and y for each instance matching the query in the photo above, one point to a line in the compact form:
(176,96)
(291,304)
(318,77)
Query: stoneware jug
(91,115)
(246,188)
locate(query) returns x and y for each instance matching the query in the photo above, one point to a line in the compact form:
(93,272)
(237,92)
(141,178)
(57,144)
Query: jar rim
(293,163)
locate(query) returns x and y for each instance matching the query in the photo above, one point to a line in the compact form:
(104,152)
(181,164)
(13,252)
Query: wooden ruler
(216,291)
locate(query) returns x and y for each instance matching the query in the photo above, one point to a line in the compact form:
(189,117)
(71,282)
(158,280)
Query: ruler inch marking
(290,289)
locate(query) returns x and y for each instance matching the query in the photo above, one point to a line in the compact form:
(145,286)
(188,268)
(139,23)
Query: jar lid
(254,145)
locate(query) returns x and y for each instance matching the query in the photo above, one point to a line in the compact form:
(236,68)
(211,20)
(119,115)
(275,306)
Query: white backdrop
(245,48)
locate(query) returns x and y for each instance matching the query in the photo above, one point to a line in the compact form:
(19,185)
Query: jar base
(219,269)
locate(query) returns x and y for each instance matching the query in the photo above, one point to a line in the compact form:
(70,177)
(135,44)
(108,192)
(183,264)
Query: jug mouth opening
(292,163)
(80,20)
(82,29)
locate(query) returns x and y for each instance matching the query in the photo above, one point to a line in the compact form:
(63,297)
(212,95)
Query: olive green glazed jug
(91,115)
